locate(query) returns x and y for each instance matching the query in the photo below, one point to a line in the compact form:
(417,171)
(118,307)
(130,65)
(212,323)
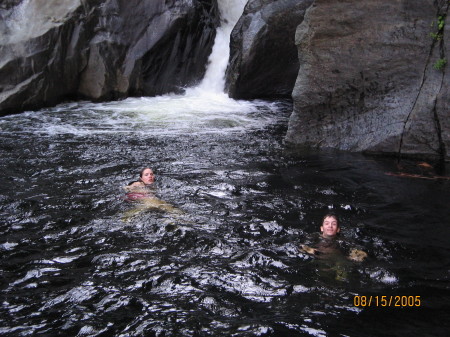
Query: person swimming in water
(140,189)
(333,255)
(327,245)
(146,177)
(140,192)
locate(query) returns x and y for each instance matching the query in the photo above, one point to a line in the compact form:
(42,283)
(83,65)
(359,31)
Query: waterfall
(204,108)
(214,79)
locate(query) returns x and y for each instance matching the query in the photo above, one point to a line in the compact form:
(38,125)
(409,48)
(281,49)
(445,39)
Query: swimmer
(327,245)
(146,177)
(140,192)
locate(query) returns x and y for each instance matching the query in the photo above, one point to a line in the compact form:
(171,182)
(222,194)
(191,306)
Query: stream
(79,259)
(228,264)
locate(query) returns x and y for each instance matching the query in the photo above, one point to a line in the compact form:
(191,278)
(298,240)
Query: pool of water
(73,263)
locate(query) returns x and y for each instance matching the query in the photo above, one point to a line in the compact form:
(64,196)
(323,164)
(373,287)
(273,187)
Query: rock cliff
(364,75)
(372,78)
(263,56)
(100,49)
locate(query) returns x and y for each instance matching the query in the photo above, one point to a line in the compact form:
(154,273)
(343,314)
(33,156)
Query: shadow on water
(229,265)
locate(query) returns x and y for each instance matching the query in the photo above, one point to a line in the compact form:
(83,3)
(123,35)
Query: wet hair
(331,215)
(141,172)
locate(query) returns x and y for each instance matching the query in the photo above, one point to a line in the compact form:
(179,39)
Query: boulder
(366,80)
(263,56)
(101,49)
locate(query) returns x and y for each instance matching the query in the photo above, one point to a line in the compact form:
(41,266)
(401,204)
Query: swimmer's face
(148,177)
(330,227)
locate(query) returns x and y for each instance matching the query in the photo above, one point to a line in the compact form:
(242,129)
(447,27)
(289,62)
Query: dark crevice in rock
(440,166)
(428,64)
(437,43)
(366,79)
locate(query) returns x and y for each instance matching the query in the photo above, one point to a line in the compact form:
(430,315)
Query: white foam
(8,245)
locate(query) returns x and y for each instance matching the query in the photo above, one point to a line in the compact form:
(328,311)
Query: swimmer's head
(147,176)
(330,225)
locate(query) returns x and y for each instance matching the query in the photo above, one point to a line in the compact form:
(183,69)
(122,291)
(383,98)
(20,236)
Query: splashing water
(202,109)
(198,102)
(205,108)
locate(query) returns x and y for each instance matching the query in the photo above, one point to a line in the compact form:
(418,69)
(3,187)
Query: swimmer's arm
(138,188)
(308,250)
(128,188)
(357,255)
(135,185)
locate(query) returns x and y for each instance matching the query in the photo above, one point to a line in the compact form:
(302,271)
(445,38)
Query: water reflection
(230,265)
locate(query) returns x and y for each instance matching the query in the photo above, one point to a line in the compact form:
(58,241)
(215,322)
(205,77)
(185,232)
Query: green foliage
(436,36)
(440,64)
(440,24)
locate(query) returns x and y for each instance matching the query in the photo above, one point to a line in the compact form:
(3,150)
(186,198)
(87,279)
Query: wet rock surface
(367,80)
(263,60)
(363,75)
(101,49)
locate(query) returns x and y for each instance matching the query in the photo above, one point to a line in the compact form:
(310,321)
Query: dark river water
(77,260)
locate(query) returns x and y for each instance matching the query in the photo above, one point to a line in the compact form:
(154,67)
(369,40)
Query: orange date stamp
(386,301)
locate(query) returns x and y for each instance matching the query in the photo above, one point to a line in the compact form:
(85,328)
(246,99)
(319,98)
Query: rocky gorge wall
(372,78)
(363,75)
(263,56)
(100,49)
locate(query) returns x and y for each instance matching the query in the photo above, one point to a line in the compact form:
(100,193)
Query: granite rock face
(263,55)
(101,49)
(367,80)
(363,74)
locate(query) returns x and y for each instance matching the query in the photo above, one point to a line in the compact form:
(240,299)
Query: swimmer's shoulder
(310,242)
(135,186)
(139,187)
(136,183)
